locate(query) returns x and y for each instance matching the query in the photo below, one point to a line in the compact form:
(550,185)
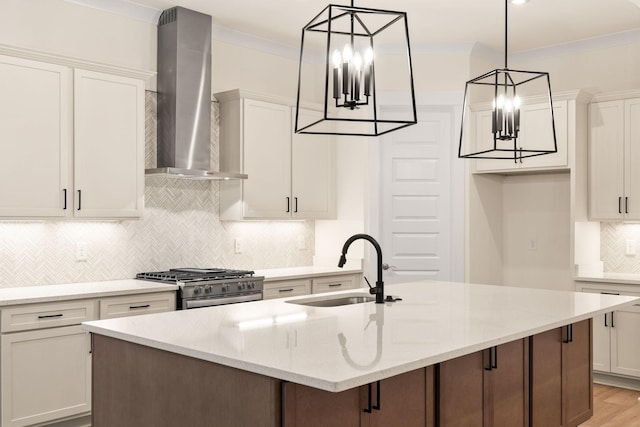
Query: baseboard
(616,381)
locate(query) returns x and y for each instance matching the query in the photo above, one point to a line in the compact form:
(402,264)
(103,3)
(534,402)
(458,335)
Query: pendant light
(502,90)
(347,53)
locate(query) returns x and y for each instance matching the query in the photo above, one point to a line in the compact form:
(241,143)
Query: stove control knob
(197,290)
(252,285)
(225,288)
(208,289)
(240,286)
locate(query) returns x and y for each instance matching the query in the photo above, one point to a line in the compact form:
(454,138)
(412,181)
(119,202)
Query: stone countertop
(275,274)
(74,291)
(338,348)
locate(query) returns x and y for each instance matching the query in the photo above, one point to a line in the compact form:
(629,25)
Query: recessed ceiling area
(533,25)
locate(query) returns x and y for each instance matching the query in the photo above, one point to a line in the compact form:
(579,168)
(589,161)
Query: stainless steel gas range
(205,287)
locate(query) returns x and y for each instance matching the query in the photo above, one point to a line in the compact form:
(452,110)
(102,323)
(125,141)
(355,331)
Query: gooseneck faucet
(378,290)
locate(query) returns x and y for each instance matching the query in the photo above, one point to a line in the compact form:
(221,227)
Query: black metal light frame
(505,80)
(379,126)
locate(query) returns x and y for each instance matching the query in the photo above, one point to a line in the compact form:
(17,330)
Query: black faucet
(378,290)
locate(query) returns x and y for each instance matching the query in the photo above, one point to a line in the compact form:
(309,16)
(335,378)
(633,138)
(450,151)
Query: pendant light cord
(506,19)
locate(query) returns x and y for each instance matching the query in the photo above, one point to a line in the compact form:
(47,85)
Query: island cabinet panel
(489,388)
(405,400)
(561,384)
(135,386)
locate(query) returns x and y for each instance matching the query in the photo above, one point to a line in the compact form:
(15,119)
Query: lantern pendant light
(504,87)
(341,67)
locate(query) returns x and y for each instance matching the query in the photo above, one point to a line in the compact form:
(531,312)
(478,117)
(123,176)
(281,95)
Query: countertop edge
(337,386)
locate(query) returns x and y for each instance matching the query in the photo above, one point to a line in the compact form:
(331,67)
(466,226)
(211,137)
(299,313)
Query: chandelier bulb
(336,58)
(347,53)
(368,56)
(357,61)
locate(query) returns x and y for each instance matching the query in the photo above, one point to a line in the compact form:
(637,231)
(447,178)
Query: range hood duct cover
(184,96)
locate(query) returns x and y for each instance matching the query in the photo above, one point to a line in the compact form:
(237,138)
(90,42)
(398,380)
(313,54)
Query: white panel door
(267,160)
(416,199)
(34,138)
(625,347)
(46,375)
(108,145)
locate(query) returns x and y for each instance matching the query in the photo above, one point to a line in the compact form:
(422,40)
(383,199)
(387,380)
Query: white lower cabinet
(286,288)
(46,375)
(616,348)
(311,284)
(45,356)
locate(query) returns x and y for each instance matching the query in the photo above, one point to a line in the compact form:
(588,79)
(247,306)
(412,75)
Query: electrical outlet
(238,245)
(81,251)
(630,247)
(302,243)
(532,244)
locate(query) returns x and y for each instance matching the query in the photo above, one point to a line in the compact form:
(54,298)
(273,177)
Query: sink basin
(334,300)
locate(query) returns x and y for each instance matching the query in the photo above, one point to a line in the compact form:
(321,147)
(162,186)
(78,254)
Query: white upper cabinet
(536,133)
(108,145)
(35,138)
(72,142)
(289,176)
(614,160)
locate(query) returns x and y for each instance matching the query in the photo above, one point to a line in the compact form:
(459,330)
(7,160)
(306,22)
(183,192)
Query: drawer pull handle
(133,307)
(285,290)
(334,285)
(49,316)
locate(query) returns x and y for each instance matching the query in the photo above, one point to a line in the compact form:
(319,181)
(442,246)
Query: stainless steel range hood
(184,96)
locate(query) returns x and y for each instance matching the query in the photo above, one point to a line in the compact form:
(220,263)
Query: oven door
(188,303)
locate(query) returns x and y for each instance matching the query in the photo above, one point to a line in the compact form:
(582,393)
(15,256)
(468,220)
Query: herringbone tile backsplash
(613,240)
(180,228)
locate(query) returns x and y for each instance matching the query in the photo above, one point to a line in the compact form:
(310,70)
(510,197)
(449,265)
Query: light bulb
(368,56)
(516,102)
(336,58)
(357,61)
(500,102)
(508,105)
(347,53)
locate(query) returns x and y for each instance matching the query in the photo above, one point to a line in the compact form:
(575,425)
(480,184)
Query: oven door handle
(209,302)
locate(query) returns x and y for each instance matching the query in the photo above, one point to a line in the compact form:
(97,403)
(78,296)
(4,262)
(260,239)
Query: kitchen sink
(333,300)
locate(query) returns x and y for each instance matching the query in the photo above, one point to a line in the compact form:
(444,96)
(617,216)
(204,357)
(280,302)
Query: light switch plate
(81,251)
(238,245)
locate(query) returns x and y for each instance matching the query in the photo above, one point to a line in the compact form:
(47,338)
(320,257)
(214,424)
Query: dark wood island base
(543,380)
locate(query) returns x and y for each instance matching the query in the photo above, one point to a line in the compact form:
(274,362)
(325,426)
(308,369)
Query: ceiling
(533,25)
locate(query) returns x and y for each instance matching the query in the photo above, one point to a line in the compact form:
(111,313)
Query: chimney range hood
(184,97)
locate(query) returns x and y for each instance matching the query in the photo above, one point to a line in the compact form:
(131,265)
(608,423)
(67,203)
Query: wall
(180,226)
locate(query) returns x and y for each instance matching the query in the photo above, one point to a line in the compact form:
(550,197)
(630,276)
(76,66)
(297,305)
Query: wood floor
(614,407)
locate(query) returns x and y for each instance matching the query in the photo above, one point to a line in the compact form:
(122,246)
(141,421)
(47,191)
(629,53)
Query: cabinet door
(602,343)
(625,346)
(606,160)
(403,401)
(537,133)
(311,407)
(267,160)
(35,142)
(632,159)
(459,394)
(577,398)
(313,174)
(46,374)
(108,145)
(546,378)
(507,384)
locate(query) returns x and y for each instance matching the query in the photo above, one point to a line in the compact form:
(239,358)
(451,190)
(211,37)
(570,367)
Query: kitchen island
(446,354)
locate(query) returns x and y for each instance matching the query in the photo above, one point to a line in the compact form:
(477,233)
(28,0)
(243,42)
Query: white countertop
(338,348)
(273,274)
(625,278)
(72,291)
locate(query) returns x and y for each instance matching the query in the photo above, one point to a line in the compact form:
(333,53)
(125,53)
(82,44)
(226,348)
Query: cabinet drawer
(46,315)
(335,283)
(286,288)
(133,305)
